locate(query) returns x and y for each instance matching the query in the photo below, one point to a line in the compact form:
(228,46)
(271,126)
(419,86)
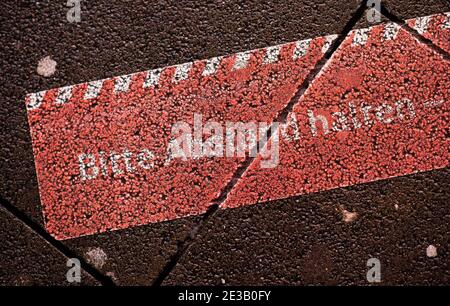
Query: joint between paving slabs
(104,280)
(281,117)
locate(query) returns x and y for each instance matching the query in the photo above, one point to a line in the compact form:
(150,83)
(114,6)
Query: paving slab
(315,236)
(116,39)
(328,237)
(29,260)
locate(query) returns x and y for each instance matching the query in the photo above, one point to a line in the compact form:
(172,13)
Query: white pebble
(46,67)
(431,251)
(348,216)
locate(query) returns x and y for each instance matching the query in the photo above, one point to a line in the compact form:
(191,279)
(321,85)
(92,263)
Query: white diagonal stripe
(122,83)
(182,72)
(360,37)
(211,66)
(301,48)
(446,24)
(35,100)
(328,41)
(421,24)
(390,31)
(64,94)
(152,78)
(272,54)
(93,89)
(241,60)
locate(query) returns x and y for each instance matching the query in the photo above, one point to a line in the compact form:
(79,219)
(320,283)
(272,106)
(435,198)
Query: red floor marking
(119,129)
(405,83)
(435,27)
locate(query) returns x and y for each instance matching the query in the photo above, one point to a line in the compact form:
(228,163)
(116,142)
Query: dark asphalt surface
(304,240)
(28,260)
(273,242)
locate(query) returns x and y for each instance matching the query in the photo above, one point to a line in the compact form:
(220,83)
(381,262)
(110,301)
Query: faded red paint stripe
(406,87)
(118,130)
(123,124)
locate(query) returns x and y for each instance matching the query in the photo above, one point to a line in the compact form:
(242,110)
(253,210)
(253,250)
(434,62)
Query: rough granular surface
(394,215)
